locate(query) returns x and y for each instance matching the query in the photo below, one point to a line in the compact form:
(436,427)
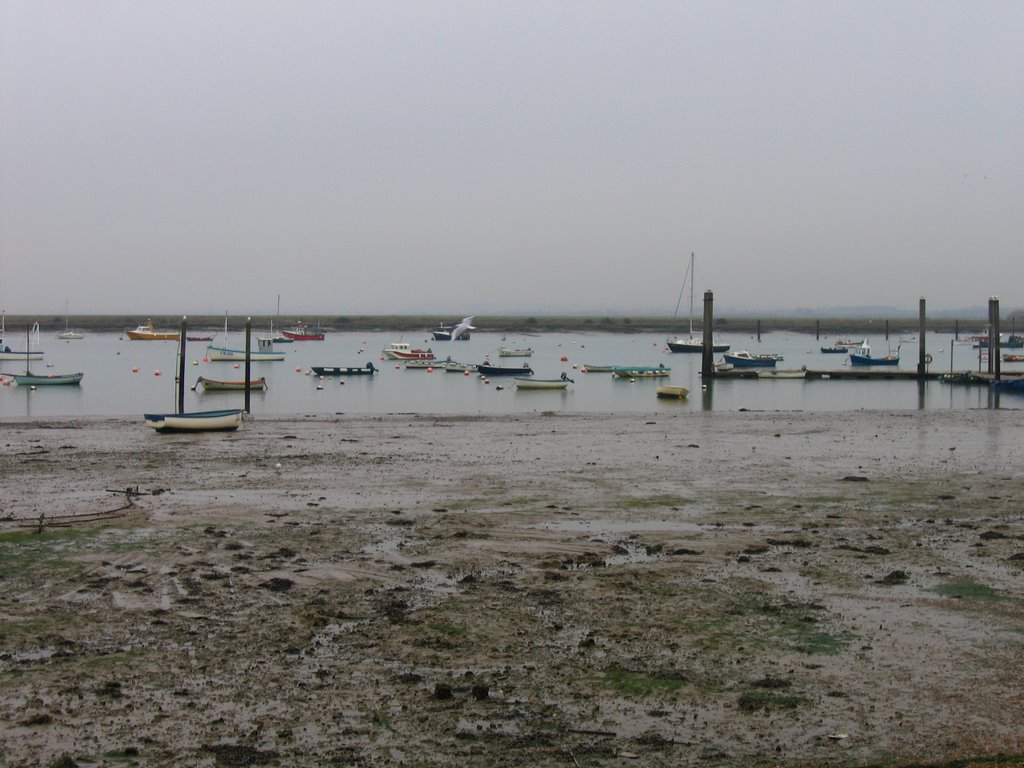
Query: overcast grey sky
(503,157)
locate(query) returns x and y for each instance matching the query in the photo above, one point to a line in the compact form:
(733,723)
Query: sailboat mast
(691,294)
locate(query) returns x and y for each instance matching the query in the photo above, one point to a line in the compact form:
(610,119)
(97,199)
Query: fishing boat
(146,332)
(196,421)
(400,350)
(486,369)
(745,359)
(525,383)
(693,344)
(300,332)
(264,353)
(587,368)
(217,385)
(515,352)
(344,370)
(641,372)
(68,334)
(671,392)
(862,356)
(444,333)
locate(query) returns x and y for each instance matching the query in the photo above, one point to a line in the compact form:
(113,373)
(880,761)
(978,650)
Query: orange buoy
(156,373)
(135,370)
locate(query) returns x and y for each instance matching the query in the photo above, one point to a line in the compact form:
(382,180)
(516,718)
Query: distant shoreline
(725,324)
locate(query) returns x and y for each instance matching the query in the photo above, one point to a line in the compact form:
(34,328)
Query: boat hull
(625,372)
(865,360)
(540,384)
(693,346)
(504,370)
(505,352)
(297,336)
(672,392)
(216,385)
(341,370)
(238,355)
(198,421)
(754,361)
(48,379)
(8,355)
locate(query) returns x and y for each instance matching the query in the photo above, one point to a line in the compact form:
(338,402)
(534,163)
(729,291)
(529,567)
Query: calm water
(111,388)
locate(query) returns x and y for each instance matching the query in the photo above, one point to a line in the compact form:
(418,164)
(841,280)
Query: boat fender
(928,359)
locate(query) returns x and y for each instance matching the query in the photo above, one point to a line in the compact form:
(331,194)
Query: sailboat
(278,338)
(693,344)
(264,351)
(67,334)
(29,379)
(6,353)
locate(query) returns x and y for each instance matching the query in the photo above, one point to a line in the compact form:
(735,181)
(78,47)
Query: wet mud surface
(596,590)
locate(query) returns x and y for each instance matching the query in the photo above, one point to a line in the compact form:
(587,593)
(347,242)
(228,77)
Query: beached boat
(300,332)
(344,370)
(671,392)
(693,344)
(217,385)
(196,421)
(146,332)
(745,359)
(515,352)
(863,356)
(641,372)
(486,369)
(400,350)
(264,353)
(525,383)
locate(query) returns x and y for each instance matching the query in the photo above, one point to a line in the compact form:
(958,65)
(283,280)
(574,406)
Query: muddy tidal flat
(692,589)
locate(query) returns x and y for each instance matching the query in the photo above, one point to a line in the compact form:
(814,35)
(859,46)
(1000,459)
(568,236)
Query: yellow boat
(672,392)
(148,333)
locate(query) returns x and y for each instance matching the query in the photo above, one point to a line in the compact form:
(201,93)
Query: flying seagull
(462,327)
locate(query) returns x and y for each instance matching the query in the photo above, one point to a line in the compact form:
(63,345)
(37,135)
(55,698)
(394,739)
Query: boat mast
(690,273)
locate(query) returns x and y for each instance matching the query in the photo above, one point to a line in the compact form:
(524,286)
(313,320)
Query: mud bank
(701,589)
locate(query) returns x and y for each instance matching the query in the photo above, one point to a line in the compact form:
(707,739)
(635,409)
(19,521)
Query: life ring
(928,359)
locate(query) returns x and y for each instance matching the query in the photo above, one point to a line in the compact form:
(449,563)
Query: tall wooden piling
(248,360)
(707,358)
(181,364)
(817,330)
(922,364)
(758,331)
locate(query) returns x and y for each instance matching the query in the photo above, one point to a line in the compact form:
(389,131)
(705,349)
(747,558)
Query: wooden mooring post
(922,354)
(248,361)
(181,364)
(707,356)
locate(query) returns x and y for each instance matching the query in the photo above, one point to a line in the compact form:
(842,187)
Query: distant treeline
(824,326)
